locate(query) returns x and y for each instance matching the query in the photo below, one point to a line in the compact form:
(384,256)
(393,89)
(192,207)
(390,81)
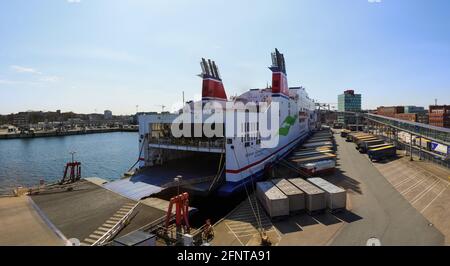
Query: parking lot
(425,186)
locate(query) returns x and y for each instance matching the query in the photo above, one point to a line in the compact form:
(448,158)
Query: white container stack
(336,197)
(295,195)
(273,200)
(315,197)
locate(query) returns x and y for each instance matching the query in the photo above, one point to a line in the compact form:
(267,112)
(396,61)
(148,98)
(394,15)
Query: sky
(91,55)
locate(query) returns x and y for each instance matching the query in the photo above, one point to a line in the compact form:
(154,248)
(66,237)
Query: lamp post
(177,179)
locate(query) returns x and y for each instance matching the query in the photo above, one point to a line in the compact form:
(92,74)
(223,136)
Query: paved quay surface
(386,214)
(425,186)
(21,225)
(375,209)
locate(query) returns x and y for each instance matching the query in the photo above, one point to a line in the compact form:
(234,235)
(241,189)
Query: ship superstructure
(234,158)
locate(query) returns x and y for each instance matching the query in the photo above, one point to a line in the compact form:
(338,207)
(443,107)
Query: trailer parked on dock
(295,195)
(275,202)
(351,136)
(319,148)
(301,154)
(318,144)
(319,139)
(368,137)
(344,133)
(364,145)
(315,197)
(381,153)
(319,168)
(336,197)
(322,157)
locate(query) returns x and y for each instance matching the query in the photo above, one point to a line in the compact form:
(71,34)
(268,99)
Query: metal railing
(116,228)
(219,143)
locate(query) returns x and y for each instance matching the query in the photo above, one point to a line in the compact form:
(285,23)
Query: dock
(374,209)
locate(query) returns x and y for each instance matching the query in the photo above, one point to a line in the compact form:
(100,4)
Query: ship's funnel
(212,87)
(279,79)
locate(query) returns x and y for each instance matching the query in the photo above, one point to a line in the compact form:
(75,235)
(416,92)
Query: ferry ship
(224,164)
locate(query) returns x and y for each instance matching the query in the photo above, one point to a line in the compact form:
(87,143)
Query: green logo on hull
(288,122)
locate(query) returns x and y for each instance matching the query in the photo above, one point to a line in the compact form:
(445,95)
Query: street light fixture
(178,179)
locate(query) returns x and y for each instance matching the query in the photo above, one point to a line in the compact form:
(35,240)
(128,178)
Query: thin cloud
(73,1)
(21,69)
(50,79)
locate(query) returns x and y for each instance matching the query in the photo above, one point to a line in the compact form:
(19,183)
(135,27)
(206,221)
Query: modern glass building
(348,102)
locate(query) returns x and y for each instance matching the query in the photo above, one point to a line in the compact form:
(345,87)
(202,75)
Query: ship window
(229,141)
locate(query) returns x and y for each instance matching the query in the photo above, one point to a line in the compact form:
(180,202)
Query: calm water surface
(25,161)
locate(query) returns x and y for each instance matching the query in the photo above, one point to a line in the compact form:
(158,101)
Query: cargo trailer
(301,154)
(381,153)
(317,144)
(350,136)
(315,197)
(364,146)
(365,139)
(322,157)
(295,195)
(358,139)
(344,133)
(318,140)
(275,202)
(319,168)
(336,197)
(319,148)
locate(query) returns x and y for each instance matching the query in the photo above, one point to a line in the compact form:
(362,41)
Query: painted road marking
(424,192)
(406,191)
(404,181)
(438,195)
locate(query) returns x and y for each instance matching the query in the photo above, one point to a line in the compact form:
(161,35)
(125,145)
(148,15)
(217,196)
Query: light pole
(177,179)
(72,153)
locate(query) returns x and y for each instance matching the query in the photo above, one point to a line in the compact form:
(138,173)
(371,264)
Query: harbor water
(24,162)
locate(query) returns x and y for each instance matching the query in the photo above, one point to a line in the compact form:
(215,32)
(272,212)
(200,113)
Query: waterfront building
(411,109)
(348,102)
(107,115)
(439,115)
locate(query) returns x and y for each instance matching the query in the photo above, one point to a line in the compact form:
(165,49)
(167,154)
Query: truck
(381,153)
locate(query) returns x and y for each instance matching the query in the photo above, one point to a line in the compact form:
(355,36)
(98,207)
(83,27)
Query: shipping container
(272,199)
(382,153)
(336,197)
(315,197)
(295,195)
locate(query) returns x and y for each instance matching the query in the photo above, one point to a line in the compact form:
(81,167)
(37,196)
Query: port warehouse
(283,197)
(427,142)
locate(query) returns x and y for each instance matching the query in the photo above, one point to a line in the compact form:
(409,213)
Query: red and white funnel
(279,78)
(212,87)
